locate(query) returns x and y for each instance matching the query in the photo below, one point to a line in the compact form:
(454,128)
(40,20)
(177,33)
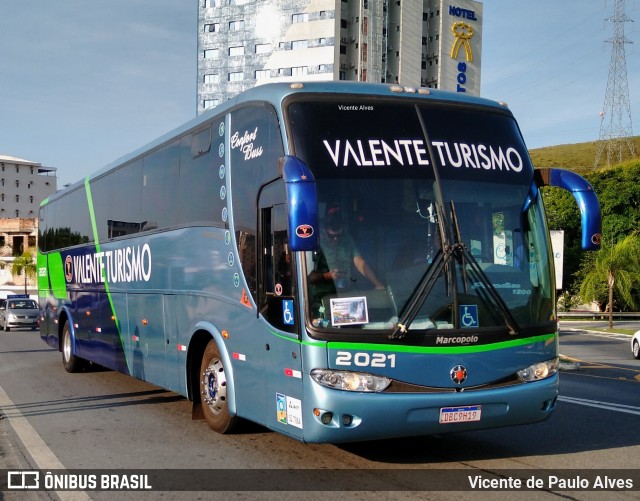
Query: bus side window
(276,269)
(282,269)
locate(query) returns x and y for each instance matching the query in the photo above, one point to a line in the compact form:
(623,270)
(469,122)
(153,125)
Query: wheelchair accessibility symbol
(287,312)
(469,315)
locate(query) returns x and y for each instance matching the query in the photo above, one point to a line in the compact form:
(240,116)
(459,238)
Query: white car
(635,345)
(18,311)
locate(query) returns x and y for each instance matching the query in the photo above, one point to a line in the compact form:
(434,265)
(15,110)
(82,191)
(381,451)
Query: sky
(84,83)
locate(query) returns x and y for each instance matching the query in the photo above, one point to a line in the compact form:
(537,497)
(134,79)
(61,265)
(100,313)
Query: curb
(568,363)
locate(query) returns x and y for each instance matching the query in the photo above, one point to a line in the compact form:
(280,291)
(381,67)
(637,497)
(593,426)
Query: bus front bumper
(341,416)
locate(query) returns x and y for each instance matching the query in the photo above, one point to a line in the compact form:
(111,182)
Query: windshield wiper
(449,232)
(420,293)
(488,294)
(441,261)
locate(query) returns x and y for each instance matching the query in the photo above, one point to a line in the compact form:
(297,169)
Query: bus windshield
(429,220)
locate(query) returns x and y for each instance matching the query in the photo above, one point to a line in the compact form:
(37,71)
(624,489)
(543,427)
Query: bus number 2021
(363,359)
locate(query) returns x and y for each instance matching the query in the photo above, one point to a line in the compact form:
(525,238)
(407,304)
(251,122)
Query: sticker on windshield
(287,311)
(349,311)
(469,315)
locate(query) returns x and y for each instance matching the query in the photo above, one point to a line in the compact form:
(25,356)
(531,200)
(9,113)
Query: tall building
(23,185)
(428,43)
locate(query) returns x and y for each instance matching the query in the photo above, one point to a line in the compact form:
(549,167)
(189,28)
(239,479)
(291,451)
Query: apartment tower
(428,43)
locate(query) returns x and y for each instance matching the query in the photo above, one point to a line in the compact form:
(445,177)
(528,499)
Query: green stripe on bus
(92,215)
(440,350)
(55,267)
(443,350)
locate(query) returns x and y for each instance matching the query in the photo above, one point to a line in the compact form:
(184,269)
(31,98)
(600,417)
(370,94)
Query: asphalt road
(105,420)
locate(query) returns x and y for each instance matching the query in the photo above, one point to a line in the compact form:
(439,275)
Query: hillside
(577,157)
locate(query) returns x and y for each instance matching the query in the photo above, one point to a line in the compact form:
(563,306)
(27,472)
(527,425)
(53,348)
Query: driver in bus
(334,261)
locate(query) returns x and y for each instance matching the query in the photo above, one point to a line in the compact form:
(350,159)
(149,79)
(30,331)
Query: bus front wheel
(213,390)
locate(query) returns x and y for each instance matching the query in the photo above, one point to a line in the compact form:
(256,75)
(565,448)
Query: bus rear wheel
(69,360)
(213,391)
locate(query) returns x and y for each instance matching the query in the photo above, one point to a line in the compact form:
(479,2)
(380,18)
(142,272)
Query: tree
(24,264)
(619,194)
(618,268)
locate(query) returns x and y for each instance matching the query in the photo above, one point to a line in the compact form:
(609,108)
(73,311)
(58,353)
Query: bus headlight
(350,381)
(541,370)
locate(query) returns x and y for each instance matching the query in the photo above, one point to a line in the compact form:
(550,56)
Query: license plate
(466,414)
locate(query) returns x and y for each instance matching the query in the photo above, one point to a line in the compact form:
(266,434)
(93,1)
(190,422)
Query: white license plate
(466,414)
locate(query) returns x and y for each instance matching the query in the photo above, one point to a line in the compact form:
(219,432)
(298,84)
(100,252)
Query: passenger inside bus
(334,261)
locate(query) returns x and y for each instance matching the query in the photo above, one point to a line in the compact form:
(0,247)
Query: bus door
(279,309)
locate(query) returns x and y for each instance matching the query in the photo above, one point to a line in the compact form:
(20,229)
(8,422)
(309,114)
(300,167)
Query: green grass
(578,157)
(615,330)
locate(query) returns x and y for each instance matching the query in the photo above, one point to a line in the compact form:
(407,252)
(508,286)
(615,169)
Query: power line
(615,118)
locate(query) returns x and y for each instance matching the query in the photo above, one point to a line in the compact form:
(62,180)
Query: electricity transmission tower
(615,117)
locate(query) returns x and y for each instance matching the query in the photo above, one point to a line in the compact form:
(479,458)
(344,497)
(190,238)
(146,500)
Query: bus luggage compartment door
(148,344)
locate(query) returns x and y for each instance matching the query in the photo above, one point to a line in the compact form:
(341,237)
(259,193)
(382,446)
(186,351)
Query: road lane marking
(627,409)
(35,446)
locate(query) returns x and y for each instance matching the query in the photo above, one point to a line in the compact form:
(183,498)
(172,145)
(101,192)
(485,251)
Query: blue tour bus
(335,261)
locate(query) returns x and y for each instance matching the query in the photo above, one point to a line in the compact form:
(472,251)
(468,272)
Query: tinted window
(353,137)
(66,222)
(159,177)
(22,304)
(202,174)
(201,142)
(75,216)
(183,182)
(42,229)
(121,218)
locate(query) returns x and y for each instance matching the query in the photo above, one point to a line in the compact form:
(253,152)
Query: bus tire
(213,391)
(71,362)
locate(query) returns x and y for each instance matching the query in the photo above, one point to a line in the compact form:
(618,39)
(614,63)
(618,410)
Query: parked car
(18,312)
(635,345)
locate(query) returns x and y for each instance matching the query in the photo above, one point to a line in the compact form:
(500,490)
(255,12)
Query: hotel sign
(461,47)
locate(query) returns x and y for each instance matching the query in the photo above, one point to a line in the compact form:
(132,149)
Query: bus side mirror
(302,202)
(585,197)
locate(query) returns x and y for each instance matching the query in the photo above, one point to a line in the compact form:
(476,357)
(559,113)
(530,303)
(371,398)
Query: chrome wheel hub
(214,386)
